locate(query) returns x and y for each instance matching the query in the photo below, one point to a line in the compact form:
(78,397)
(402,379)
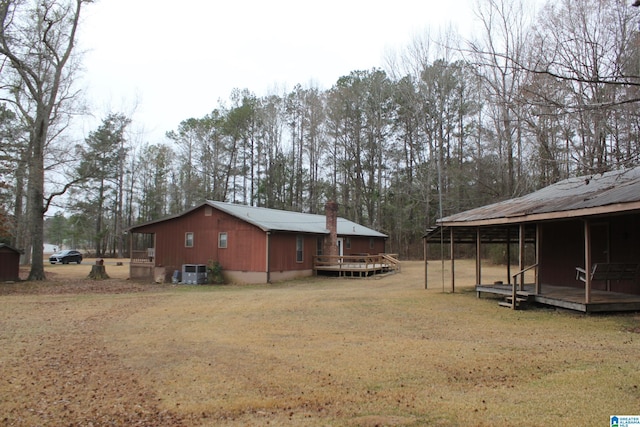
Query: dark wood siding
(561,251)
(624,237)
(613,239)
(362,245)
(283,251)
(246,244)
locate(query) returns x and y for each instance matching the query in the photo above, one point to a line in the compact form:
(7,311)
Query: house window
(347,243)
(371,243)
(319,246)
(188,239)
(222,240)
(299,249)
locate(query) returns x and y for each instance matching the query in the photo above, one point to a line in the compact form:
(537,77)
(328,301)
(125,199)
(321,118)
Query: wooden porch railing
(514,292)
(143,256)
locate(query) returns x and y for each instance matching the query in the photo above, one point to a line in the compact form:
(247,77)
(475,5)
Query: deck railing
(356,263)
(393,261)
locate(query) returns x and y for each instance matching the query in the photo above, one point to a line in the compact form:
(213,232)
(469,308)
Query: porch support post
(587,262)
(453,273)
(508,255)
(268,258)
(426,253)
(478,260)
(537,269)
(521,255)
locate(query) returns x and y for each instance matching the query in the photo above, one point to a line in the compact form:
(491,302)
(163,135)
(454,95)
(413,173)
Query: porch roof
(605,193)
(468,234)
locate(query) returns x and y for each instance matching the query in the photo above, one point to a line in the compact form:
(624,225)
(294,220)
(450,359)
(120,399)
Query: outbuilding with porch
(584,233)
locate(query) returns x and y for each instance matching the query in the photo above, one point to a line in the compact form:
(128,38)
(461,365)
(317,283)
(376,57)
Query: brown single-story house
(585,234)
(251,244)
(9,263)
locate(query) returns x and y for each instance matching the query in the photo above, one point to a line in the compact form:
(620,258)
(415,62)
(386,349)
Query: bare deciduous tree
(498,55)
(590,49)
(37,40)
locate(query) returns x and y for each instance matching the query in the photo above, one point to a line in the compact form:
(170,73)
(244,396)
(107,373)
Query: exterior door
(340,246)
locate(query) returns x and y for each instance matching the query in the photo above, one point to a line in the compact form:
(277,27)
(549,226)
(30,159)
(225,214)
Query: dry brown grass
(81,271)
(340,352)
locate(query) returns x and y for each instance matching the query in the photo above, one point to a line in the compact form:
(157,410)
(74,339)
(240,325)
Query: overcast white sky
(175,60)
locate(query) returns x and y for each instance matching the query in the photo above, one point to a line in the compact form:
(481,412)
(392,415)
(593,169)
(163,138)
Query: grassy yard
(316,352)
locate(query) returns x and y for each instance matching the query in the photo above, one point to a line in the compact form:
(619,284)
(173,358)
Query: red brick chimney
(331,242)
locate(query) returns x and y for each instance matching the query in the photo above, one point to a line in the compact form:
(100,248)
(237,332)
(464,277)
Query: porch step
(520,300)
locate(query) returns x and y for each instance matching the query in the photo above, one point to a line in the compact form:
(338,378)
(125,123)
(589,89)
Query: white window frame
(189,239)
(223,243)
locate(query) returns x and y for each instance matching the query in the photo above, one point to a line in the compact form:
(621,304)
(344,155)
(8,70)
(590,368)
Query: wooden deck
(570,298)
(363,265)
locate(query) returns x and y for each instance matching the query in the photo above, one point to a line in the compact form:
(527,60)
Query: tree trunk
(38,78)
(35,198)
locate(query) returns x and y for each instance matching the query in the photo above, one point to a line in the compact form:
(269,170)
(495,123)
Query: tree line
(446,124)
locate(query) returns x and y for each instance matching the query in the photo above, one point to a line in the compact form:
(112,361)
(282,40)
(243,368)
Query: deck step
(520,301)
(506,304)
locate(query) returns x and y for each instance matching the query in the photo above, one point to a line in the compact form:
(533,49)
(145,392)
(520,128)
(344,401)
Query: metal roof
(581,196)
(279,220)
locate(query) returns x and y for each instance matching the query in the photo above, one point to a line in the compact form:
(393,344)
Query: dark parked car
(65,257)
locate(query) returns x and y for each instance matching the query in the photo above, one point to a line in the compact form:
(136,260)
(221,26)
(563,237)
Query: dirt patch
(57,372)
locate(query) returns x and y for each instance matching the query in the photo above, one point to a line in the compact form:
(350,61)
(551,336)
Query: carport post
(453,273)
(587,262)
(426,254)
(521,238)
(537,270)
(508,255)
(478,260)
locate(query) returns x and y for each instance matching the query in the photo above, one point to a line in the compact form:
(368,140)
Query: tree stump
(98,272)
